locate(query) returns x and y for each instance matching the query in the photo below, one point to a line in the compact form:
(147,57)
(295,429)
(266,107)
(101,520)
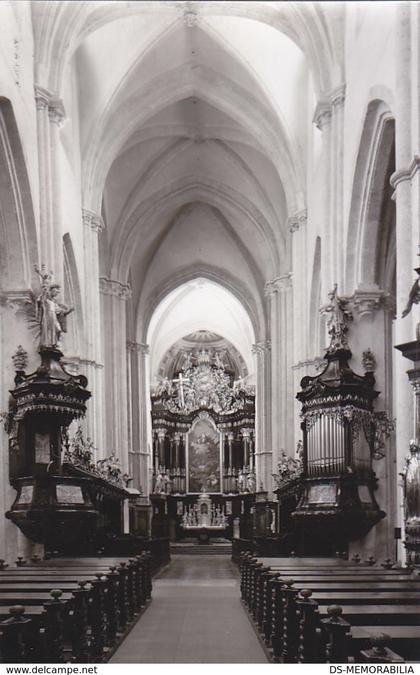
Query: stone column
(263,455)
(297,228)
(114,295)
(373,312)
(142,409)
(140,451)
(50,117)
(279,292)
(405,180)
(329,118)
(56,116)
(13,332)
(322,120)
(92,227)
(336,99)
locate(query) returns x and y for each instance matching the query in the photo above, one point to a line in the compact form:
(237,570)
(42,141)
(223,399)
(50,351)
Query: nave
(196,617)
(209,326)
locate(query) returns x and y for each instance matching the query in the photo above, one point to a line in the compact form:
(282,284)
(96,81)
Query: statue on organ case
(338,319)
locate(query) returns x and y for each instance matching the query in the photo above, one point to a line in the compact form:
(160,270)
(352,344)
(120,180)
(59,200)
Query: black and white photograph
(209,333)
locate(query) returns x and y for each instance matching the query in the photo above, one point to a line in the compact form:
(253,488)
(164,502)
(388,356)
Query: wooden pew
(98,598)
(278,608)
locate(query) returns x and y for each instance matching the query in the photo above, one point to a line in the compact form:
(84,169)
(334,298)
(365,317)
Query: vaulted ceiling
(193,120)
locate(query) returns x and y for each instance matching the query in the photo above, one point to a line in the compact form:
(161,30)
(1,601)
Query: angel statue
(51,315)
(414,299)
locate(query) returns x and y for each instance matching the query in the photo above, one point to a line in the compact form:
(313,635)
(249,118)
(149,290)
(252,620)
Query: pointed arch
(371,180)
(60,29)
(19,244)
(164,323)
(191,188)
(214,88)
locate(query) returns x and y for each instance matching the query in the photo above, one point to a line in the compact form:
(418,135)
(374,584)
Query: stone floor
(195,617)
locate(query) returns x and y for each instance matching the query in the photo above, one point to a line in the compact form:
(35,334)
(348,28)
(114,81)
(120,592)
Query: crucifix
(181,381)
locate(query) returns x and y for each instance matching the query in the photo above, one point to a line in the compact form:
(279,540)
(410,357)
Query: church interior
(209,331)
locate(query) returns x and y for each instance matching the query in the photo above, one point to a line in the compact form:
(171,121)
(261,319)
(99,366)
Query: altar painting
(203,457)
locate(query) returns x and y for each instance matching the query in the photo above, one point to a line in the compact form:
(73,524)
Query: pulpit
(50,508)
(64,500)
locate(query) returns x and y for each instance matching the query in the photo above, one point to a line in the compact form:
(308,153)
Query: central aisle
(195,616)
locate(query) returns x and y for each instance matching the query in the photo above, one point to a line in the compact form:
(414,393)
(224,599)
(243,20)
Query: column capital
(297,220)
(337,96)
(56,111)
(93,220)
(366,301)
(18,301)
(278,284)
(46,99)
(322,114)
(262,347)
(42,97)
(115,288)
(139,347)
(405,174)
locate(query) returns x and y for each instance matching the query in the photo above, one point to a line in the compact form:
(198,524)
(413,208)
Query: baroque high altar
(203,449)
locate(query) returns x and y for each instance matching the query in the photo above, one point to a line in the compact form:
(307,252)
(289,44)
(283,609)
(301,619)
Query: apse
(200,305)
